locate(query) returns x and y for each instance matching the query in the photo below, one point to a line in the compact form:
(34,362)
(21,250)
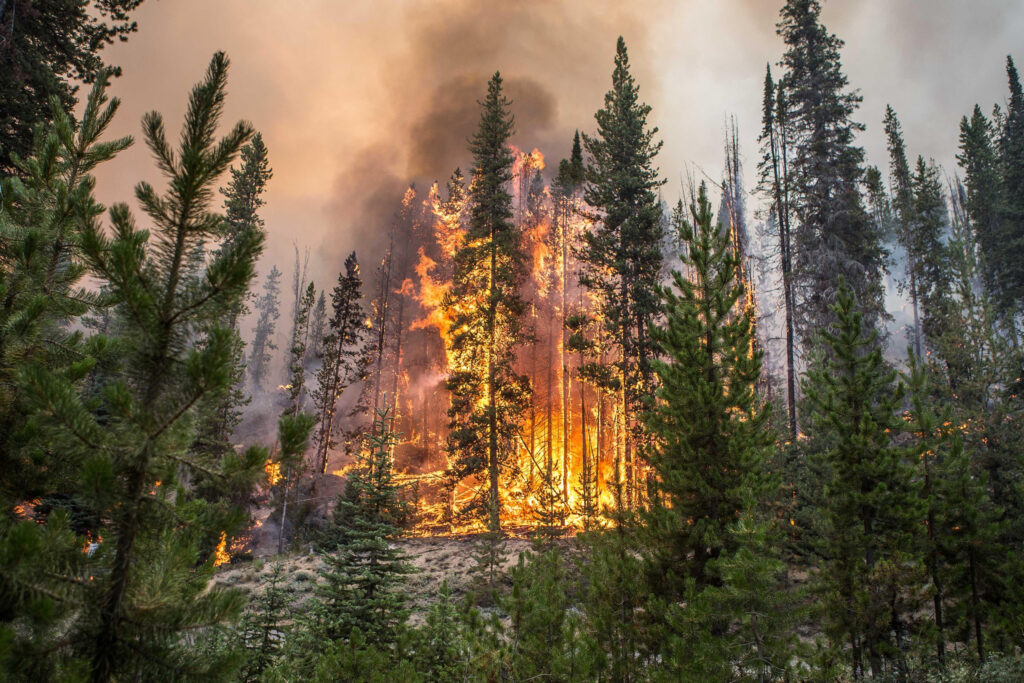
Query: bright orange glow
(220,555)
(273,470)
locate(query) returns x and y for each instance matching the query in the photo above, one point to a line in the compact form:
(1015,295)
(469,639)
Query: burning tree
(485,307)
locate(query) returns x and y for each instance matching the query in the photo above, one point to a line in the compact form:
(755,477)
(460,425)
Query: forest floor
(435,559)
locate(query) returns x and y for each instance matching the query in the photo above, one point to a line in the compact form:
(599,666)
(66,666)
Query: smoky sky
(358,99)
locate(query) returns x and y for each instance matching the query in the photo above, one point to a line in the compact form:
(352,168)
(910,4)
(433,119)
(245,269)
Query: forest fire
(562,449)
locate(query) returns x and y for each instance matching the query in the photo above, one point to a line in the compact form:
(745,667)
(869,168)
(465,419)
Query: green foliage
(262,629)
(545,632)
(871,503)
(361,581)
(711,440)
(149,574)
(711,435)
(47,47)
(298,351)
(42,216)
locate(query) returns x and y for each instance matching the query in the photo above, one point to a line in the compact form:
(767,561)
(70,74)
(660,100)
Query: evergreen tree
(487,396)
(48,47)
(544,629)
(1011,156)
(711,440)
(979,161)
(221,412)
(443,649)
(710,434)
(622,251)
(149,576)
(41,217)
(243,197)
(263,336)
(362,581)
(931,227)
(342,354)
(262,628)
(870,502)
(317,325)
(903,203)
(300,342)
(833,235)
(921,214)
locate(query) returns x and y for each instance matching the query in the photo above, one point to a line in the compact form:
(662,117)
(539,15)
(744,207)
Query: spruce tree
(263,344)
(833,235)
(487,396)
(871,505)
(132,444)
(342,354)
(361,584)
(622,251)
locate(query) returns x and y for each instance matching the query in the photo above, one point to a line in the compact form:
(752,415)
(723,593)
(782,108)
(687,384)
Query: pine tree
(41,268)
(928,241)
(443,647)
(42,215)
(903,203)
(47,48)
(711,440)
(342,354)
(979,161)
(263,335)
(622,253)
(921,214)
(298,351)
(221,412)
(1011,157)
(870,502)
(262,628)
(544,630)
(833,235)
(132,444)
(362,582)
(487,396)
(711,436)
